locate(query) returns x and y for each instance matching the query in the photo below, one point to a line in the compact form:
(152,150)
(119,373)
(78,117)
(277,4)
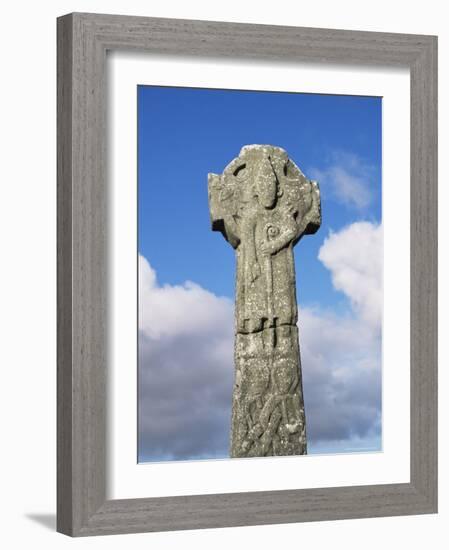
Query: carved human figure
(263,205)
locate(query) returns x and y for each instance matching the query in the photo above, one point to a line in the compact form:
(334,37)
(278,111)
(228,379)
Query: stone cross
(263,205)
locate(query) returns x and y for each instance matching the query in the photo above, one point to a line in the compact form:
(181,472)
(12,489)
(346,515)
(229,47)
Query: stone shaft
(263,205)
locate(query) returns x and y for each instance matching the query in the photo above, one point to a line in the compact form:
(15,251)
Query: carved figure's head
(265,182)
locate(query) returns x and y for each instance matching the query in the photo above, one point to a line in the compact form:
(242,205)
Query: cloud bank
(354,256)
(186,358)
(185,369)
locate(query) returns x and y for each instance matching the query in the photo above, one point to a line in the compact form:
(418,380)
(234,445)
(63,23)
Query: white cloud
(176,310)
(354,256)
(341,366)
(341,356)
(186,366)
(185,369)
(347,178)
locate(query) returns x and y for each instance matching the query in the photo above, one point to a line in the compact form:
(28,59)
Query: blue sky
(184,133)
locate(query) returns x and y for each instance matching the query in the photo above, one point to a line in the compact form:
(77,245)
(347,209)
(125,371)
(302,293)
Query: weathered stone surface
(263,205)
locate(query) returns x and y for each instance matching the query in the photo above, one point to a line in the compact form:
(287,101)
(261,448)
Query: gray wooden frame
(83,40)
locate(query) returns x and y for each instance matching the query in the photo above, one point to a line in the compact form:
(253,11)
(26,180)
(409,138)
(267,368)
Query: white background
(28,300)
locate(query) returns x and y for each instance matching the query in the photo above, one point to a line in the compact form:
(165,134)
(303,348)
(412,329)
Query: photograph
(260,266)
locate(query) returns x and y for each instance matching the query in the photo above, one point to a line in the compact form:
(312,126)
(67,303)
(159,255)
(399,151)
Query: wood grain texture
(64,277)
(83,40)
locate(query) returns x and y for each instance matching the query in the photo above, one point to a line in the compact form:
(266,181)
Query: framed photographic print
(247,284)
